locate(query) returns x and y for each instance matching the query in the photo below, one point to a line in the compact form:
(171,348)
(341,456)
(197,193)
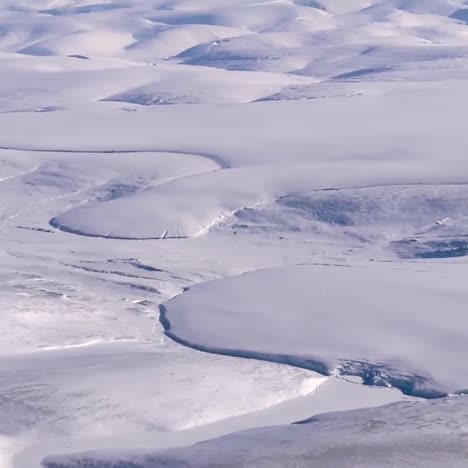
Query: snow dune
(221,215)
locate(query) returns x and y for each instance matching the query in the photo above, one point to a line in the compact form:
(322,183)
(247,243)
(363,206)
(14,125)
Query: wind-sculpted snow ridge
(381,324)
(142,206)
(414,434)
(370,373)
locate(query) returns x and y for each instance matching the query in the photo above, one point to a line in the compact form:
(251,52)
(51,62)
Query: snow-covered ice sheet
(282,184)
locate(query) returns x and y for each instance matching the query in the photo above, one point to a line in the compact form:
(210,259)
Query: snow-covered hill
(218,215)
(151,52)
(401,434)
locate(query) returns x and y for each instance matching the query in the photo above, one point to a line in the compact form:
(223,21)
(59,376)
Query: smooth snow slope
(285,180)
(392,327)
(401,434)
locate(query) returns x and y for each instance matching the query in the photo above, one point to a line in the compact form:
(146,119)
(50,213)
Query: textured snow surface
(220,215)
(400,434)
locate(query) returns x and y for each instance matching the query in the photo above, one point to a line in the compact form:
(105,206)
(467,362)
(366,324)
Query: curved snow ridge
(190,206)
(182,207)
(178,209)
(54,222)
(371,373)
(290,360)
(144,199)
(187,207)
(124,216)
(376,322)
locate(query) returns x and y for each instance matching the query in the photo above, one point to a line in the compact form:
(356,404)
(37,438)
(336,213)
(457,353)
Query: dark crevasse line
(371,373)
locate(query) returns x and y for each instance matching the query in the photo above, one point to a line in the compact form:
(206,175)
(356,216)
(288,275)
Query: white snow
(219,215)
(400,434)
(392,326)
